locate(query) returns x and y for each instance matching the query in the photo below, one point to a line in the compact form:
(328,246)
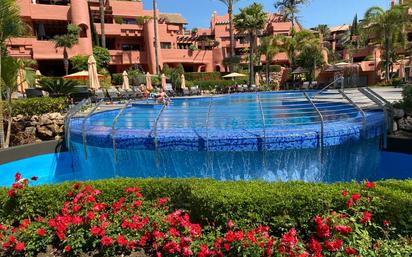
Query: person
(162,97)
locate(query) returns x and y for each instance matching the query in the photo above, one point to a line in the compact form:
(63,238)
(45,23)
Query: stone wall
(402,122)
(37,128)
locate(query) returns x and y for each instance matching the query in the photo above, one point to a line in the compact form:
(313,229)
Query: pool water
(57,168)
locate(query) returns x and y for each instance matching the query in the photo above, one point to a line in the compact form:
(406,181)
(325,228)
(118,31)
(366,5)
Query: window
(131,47)
(244,40)
(165,45)
(129,21)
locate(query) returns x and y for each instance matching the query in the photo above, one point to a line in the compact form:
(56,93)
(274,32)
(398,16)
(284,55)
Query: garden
(164,217)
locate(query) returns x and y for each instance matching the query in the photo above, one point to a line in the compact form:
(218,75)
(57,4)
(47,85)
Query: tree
(11,25)
(269,47)
(156,39)
(310,56)
(251,20)
(386,29)
(229,4)
(290,9)
(101,55)
(67,41)
(102,14)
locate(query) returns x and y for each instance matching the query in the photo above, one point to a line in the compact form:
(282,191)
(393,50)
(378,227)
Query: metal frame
(116,119)
(383,106)
(357,107)
(263,120)
(84,126)
(322,124)
(327,86)
(72,111)
(155,126)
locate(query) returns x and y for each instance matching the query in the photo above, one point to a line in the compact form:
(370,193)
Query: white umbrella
(149,86)
(38,76)
(257,79)
(93,76)
(163,77)
(125,85)
(234,75)
(21,81)
(183,81)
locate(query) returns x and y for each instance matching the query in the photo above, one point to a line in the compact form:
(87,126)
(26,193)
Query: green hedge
(218,84)
(203,76)
(37,106)
(280,205)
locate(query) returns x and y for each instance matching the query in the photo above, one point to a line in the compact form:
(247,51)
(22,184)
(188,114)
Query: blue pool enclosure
(278,136)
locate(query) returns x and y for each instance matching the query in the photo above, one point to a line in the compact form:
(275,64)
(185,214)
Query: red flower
(195,230)
(369,184)
(97,231)
(17,177)
(334,246)
(349,203)
(122,241)
(356,197)
(11,193)
(12,240)
(6,245)
(34,178)
(386,223)
(350,251)
(19,247)
(163,201)
(344,193)
(314,246)
(367,216)
(106,241)
(67,248)
(77,185)
(230,236)
(343,229)
(41,232)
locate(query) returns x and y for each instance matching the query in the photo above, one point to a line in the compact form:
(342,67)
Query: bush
(122,218)
(58,87)
(117,79)
(275,68)
(118,19)
(79,62)
(407,97)
(279,205)
(37,106)
(203,76)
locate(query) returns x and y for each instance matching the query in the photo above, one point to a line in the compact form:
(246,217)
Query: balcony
(186,55)
(125,30)
(120,57)
(49,12)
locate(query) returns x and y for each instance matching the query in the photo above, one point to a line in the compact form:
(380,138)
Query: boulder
(44,120)
(54,128)
(44,133)
(34,118)
(405,124)
(30,130)
(398,113)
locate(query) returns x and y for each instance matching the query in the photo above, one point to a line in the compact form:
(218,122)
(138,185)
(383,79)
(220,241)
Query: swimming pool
(269,136)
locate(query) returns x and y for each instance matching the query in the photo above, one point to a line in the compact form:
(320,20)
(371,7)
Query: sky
(331,12)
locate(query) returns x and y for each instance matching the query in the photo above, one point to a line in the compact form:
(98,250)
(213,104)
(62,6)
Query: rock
(59,121)
(34,118)
(44,120)
(44,133)
(398,113)
(55,129)
(57,137)
(38,141)
(18,118)
(30,130)
(405,124)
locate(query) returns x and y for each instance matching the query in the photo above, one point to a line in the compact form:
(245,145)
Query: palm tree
(386,29)
(230,4)
(156,40)
(269,47)
(250,20)
(11,25)
(102,13)
(67,41)
(290,9)
(309,54)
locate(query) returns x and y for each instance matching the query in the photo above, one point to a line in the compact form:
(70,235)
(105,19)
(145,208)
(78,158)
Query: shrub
(102,57)
(407,97)
(58,86)
(203,76)
(85,222)
(280,205)
(117,78)
(118,19)
(275,68)
(37,106)
(79,62)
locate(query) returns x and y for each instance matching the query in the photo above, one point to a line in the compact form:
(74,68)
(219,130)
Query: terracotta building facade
(130,36)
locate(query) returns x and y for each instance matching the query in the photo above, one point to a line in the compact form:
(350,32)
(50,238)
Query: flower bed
(130,224)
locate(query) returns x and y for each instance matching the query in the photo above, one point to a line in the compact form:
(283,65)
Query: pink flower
(163,201)
(230,224)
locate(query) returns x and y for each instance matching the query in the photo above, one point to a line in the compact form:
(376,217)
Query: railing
(322,125)
(70,114)
(155,125)
(357,107)
(207,123)
(263,120)
(341,79)
(84,126)
(115,121)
